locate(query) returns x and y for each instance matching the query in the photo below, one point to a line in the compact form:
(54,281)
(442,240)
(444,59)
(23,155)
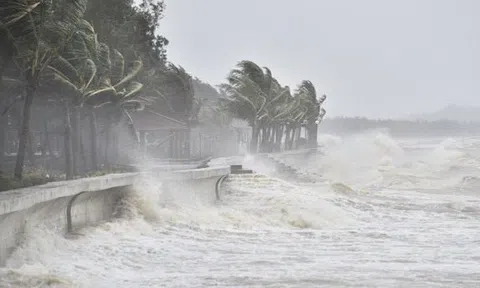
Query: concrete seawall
(288,165)
(69,205)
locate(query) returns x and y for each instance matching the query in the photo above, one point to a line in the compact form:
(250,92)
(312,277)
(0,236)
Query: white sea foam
(383,213)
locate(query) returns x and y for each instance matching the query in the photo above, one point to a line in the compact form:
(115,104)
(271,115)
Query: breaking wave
(376,200)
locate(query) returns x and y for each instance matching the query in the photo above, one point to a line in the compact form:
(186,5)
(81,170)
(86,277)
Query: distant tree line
(416,128)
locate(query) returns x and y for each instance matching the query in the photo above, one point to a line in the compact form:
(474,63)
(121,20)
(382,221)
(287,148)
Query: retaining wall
(69,205)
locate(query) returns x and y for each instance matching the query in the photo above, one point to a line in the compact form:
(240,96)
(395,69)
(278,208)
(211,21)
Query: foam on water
(383,213)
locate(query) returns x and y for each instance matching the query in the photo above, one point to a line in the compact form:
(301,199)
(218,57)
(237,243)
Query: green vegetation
(39,176)
(253,94)
(66,63)
(97,58)
(30,178)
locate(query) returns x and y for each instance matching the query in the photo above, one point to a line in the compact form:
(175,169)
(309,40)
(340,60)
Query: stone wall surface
(69,205)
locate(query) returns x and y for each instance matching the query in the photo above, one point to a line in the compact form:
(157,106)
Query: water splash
(378,204)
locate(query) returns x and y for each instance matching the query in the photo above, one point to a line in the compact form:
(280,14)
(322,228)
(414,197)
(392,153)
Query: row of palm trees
(275,114)
(51,54)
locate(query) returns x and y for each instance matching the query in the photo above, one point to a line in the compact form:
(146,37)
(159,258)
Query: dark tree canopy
(130,29)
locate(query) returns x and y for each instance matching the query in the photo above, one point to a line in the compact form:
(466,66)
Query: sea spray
(374,210)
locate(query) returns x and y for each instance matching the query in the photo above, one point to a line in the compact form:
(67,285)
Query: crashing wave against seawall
(383,212)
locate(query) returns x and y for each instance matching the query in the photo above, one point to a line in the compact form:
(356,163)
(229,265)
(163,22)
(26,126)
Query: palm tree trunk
(68,141)
(298,133)
(264,140)
(93,138)
(268,139)
(47,146)
(25,126)
(187,142)
(107,147)
(308,135)
(83,156)
(3,131)
(287,136)
(108,132)
(132,131)
(254,140)
(75,139)
(271,141)
(313,133)
(3,119)
(263,134)
(5,59)
(3,128)
(279,134)
(291,135)
(31,148)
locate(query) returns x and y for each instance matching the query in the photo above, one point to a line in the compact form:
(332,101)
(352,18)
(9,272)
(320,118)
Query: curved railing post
(218,185)
(69,212)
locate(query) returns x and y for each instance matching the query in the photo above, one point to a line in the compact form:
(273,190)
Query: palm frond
(136,67)
(118,66)
(132,90)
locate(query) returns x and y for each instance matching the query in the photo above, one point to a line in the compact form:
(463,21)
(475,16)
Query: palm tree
(307,95)
(6,53)
(82,70)
(277,111)
(175,90)
(98,79)
(89,48)
(119,96)
(38,31)
(248,90)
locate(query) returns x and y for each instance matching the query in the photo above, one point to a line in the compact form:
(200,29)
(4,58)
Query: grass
(38,176)
(107,171)
(32,177)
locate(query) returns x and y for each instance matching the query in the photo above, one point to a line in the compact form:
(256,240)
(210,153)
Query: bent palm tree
(249,90)
(38,30)
(307,95)
(119,95)
(176,91)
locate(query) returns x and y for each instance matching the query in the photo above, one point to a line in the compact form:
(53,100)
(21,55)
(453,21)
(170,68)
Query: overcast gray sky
(376,58)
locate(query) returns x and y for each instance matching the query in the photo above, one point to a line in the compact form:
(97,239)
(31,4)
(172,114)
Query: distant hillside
(452,113)
(417,128)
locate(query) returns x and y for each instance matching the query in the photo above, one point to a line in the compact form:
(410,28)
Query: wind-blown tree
(175,97)
(119,96)
(92,78)
(207,104)
(175,92)
(90,48)
(205,91)
(247,89)
(6,53)
(277,109)
(73,73)
(280,113)
(293,123)
(307,95)
(254,95)
(215,114)
(131,29)
(10,94)
(38,31)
